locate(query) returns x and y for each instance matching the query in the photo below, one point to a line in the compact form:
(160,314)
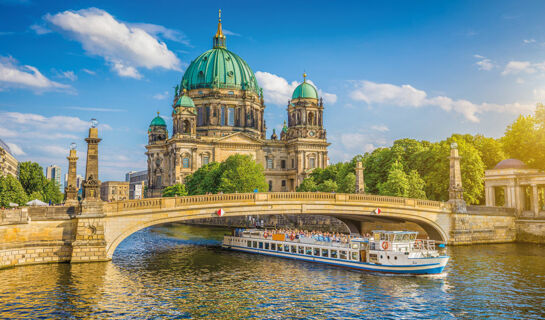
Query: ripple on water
(178,271)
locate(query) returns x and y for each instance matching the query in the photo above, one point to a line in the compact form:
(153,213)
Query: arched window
(187,127)
(185,162)
(270,185)
(270,163)
(231,117)
(311,118)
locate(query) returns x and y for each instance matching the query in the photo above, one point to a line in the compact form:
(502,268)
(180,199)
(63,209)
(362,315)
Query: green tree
(416,185)
(397,183)
(240,173)
(308,185)
(11,191)
(525,139)
(206,179)
(328,186)
(490,150)
(51,192)
(31,176)
(175,190)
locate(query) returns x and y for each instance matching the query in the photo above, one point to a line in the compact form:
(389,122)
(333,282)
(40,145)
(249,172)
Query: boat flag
(377,211)
(220,212)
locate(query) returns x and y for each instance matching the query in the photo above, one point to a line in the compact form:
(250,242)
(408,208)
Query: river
(178,271)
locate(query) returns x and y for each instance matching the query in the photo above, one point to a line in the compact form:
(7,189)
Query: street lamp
(94,123)
(73,146)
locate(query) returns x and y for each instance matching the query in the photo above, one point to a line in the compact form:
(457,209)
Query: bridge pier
(90,243)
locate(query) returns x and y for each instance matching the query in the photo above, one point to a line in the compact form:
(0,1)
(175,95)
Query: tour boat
(398,252)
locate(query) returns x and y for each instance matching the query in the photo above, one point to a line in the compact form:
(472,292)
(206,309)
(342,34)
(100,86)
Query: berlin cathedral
(218,111)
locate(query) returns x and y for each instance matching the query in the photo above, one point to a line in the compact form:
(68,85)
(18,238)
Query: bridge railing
(159,203)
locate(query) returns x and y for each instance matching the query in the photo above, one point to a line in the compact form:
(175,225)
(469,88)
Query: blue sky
(386,69)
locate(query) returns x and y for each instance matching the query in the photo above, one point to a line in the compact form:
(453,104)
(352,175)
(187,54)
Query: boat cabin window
(333,254)
(279,247)
(260,245)
(325,253)
(266,246)
(308,250)
(273,246)
(342,254)
(316,251)
(301,249)
(255,244)
(355,246)
(354,256)
(286,248)
(249,244)
(293,249)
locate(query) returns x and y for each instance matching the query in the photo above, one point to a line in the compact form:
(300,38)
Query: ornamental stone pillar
(360,182)
(71,190)
(456,191)
(91,204)
(490,197)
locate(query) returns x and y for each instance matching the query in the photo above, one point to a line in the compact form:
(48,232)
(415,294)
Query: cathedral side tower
(305,134)
(156,153)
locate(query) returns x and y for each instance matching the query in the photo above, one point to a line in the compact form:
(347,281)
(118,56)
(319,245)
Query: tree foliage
(11,191)
(175,190)
(238,173)
(525,139)
(31,176)
(338,177)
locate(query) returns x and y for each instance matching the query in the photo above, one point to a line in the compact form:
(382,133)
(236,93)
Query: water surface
(178,271)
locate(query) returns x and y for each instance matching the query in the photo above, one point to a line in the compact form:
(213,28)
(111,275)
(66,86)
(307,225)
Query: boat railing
(423,245)
(300,239)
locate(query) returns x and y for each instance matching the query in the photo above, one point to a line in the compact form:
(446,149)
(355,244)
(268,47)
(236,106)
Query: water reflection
(179,272)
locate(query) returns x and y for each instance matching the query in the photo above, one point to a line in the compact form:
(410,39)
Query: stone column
(71,190)
(91,203)
(360,182)
(456,191)
(535,200)
(490,197)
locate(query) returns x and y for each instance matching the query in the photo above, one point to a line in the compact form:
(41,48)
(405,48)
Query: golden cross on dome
(305,77)
(219,15)
(157,113)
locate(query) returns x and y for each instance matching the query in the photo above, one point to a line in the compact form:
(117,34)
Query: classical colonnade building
(512,184)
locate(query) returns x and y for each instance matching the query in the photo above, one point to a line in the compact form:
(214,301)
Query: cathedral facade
(218,111)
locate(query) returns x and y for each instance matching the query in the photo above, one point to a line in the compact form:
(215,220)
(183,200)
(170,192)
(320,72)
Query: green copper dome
(305,90)
(158,122)
(219,68)
(185,101)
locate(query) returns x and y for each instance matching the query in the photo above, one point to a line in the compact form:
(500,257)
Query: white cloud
(91,72)
(528,41)
(230,33)
(5,133)
(380,128)
(123,46)
(14,75)
(157,30)
(161,96)
(278,90)
(70,75)
(15,149)
(408,96)
(484,63)
(39,29)
(517,67)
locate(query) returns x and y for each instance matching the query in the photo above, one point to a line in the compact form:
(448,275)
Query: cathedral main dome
(219,68)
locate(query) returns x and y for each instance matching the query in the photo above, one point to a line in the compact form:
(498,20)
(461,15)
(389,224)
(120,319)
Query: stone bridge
(70,234)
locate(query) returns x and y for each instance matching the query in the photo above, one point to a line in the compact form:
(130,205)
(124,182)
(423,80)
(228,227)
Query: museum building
(218,110)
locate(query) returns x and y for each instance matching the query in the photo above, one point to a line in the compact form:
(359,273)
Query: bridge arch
(127,217)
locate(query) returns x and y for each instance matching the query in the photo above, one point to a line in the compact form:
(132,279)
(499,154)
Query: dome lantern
(219,38)
(158,121)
